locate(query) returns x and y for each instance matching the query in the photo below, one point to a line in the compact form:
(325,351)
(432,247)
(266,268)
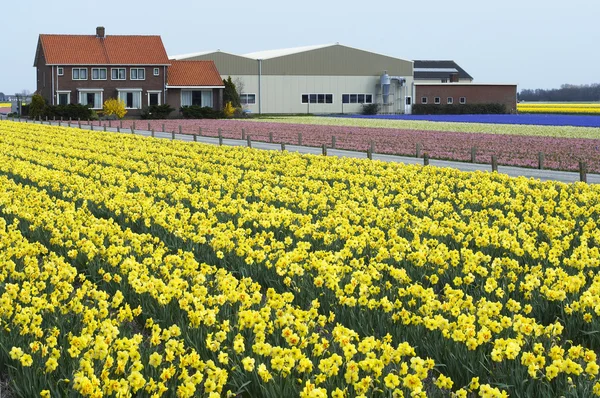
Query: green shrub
(458,109)
(157,111)
(36,108)
(197,112)
(370,109)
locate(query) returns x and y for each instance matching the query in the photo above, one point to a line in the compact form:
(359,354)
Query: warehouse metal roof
(267,54)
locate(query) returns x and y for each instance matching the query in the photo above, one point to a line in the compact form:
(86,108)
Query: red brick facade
(472,93)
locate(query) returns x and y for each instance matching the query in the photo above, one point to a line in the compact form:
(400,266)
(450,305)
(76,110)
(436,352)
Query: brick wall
(473,93)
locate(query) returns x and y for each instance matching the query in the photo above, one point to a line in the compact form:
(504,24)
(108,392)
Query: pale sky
(533,43)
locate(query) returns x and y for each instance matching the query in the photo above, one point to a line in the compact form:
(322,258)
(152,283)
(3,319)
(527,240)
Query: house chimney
(100,32)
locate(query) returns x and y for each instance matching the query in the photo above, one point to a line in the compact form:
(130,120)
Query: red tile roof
(193,73)
(110,50)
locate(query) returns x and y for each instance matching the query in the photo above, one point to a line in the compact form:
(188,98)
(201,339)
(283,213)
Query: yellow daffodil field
(554,107)
(133,266)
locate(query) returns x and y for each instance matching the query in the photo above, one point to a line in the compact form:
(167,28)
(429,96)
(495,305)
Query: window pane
(321,98)
(156,71)
(103,74)
(83,74)
(408,100)
(313,98)
(75,74)
(197,98)
(353,98)
(329,98)
(122,74)
(251,99)
(141,74)
(153,98)
(133,74)
(95,74)
(114,74)
(424,100)
(129,100)
(90,99)
(305,98)
(369,99)
(361,98)
(345,98)
(436,100)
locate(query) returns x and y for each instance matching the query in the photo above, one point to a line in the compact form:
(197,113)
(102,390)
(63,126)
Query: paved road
(543,175)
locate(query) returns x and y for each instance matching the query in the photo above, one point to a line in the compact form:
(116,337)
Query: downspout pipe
(259,86)
(53,85)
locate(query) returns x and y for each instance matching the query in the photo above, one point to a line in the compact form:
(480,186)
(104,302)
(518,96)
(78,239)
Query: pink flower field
(559,153)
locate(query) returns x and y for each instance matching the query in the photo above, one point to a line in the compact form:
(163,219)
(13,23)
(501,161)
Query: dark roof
(438,70)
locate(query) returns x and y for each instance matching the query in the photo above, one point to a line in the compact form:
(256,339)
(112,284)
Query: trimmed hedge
(458,109)
(157,111)
(71,111)
(197,112)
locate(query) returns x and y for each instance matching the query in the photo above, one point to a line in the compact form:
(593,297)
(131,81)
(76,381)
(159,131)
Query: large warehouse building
(318,79)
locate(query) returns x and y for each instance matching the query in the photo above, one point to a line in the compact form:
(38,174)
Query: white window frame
(79,73)
(137,91)
(81,91)
(99,69)
(156,71)
(159,92)
(450,100)
(59,92)
(60,71)
(462,100)
(317,99)
(137,73)
(118,69)
(424,100)
(437,100)
(246,95)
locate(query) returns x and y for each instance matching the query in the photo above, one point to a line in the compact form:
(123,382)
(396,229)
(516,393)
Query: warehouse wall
(283,94)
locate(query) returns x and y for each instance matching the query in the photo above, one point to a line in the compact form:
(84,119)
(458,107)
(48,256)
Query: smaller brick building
(467,93)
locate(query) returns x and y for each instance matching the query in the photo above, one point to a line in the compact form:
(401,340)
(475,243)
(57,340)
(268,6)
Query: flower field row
(514,150)
(566,108)
(220,270)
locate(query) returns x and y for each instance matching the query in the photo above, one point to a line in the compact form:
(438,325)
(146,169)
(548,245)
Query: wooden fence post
(270,136)
(133,129)
(152,133)
(200,131)
(173,134)
(282,147)
(149,126)
(220,136)
(418,151)
(109,123)
(195,138)
(180,129)
(473,154)
(299,138)
(494,163)
(372,147)
(333,141)
(134,125)
(324,149)
(118,128)
(248,141)
(582,171)
(163,127)
(243,134)
(369,154)
(425,159)
(541,160)
(105,128)
(120,124)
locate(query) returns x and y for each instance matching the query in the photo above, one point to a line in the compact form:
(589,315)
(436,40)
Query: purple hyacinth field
(513,150)
(527,119)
